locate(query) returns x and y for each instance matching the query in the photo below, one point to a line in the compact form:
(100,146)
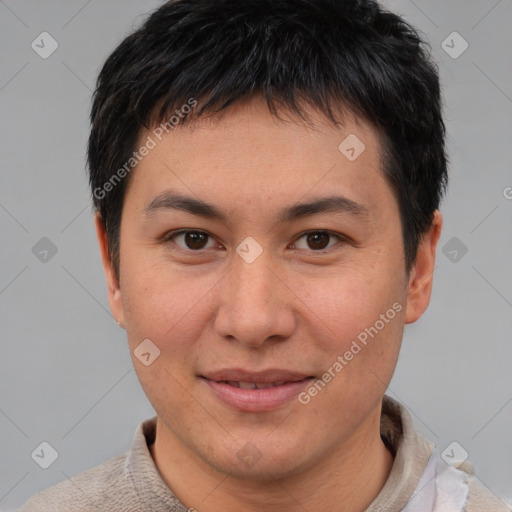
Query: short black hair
(326,54)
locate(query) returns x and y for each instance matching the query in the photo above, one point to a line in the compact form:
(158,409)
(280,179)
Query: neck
(352,475)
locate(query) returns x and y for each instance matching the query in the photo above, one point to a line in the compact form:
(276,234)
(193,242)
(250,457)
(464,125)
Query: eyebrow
(330,204)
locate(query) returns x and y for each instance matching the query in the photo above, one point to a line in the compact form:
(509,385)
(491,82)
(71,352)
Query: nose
(255,305)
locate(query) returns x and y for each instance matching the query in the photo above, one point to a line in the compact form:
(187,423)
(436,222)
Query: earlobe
(113,287)
(422,272)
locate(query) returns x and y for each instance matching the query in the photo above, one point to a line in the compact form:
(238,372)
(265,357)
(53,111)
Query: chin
(260,461)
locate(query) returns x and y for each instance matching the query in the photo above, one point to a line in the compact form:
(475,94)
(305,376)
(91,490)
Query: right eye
(191,240)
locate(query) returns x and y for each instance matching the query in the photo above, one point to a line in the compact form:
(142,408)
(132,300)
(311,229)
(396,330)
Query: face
(256,301)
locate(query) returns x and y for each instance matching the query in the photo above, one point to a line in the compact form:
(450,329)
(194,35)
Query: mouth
(252,385)
(256,391)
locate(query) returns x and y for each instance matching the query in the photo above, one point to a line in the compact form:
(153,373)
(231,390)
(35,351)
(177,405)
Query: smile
(256,392)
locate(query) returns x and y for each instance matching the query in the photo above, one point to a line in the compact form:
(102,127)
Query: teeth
(253,385)
(247,385)
(265,385)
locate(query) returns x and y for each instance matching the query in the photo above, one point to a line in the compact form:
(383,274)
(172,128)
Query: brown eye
(195,240)
(190,240)
(316,240)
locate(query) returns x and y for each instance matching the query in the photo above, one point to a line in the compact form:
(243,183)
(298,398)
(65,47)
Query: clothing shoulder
(128,483)
(481,499)
(102,487)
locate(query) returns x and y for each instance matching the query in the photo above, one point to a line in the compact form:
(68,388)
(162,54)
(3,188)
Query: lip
(288,384)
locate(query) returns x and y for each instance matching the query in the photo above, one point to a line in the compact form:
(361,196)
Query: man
(267,176)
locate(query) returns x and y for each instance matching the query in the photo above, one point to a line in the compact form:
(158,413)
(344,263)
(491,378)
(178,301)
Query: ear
(114,290)
(422,272)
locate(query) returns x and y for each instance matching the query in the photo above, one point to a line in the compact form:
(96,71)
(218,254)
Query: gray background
(66,375)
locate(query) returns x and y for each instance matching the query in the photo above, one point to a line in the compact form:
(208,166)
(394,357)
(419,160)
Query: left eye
(193,240)
(317,240)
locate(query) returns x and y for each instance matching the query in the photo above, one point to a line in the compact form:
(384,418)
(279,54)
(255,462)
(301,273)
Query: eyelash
(169,237)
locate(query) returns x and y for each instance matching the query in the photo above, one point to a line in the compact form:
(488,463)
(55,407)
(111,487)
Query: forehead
(246,156)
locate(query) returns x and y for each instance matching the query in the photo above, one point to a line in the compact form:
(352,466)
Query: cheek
(365,318)
(172,311)
(166,307)
(348,305)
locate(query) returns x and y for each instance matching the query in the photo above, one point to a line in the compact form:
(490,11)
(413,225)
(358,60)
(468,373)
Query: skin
(298,306)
